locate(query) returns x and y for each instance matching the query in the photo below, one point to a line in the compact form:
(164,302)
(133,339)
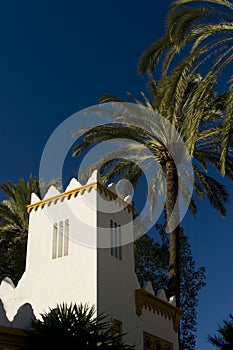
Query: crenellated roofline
(79,190)
(157,305)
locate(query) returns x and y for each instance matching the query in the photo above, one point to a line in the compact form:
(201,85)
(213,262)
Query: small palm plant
(224,339)
(73,327)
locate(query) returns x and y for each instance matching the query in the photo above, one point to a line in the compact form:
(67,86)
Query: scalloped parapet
(34,198)
(7,284)
(148,287)
(112,187)
(95,177)
(52,191)
(74,183)
(144,299)
(53,195)
(162,295)
(172,300)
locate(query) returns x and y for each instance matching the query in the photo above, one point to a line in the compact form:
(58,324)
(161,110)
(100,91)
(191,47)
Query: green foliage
(152,264)
(151,257)
(199,36)
(224,338)
(73,327)
(14,224)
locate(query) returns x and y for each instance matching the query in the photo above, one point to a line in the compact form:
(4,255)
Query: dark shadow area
(24,316)
(3,318)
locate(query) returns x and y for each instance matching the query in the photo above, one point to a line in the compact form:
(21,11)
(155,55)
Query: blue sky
(58,57)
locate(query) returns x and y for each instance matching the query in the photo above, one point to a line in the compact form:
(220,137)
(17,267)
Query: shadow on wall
(22,318)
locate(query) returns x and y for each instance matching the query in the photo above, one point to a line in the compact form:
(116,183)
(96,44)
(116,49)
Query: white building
(73,255)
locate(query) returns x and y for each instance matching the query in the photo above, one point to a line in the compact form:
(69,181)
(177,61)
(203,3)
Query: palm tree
(73,327)
(14,223)
(200,128)
(203,31)
(224,339)
(190,103)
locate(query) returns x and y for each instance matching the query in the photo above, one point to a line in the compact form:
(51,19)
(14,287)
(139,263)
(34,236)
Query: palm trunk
(174,258)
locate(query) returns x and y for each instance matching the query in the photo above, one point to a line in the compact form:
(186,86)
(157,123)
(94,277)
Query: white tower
(74,254)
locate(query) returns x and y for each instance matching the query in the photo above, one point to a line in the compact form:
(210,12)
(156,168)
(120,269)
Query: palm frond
(214,191)
(179,3)
(150,57)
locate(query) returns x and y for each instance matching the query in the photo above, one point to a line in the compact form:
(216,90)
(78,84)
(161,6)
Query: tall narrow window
(116,326)
(115,233)
(115,241)
(54,248)
(60,239)
(66,238)
(119,242)
(60,244)
(112,237)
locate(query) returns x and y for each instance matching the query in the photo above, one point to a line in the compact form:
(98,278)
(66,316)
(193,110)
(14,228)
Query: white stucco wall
(157,325)
(117,282)
(116,278)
